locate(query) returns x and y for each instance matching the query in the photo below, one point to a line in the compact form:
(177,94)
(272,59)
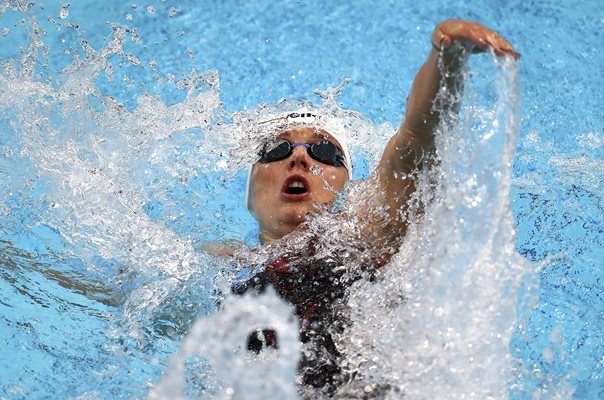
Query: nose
(299,158)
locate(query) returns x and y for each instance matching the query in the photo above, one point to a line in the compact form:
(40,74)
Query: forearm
(436,91)
(438,88)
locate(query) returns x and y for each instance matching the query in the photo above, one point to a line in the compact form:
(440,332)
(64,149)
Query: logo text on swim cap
(305,117)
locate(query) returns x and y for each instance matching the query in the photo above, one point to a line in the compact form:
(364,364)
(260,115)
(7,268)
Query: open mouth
(296,186)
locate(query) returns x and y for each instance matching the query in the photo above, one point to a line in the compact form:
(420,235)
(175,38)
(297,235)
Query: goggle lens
(323,151)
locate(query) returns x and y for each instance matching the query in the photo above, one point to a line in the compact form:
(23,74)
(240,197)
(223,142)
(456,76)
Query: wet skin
(279,208)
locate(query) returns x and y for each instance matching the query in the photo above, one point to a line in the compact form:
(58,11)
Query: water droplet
(5,32)
(150,9)
(133,60)
(173,11)
(64,13)
(129,17)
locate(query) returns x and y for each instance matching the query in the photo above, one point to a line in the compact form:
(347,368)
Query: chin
(299,210)
(296,220)
(293,219)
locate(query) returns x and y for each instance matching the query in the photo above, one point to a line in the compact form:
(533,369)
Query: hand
(452,34)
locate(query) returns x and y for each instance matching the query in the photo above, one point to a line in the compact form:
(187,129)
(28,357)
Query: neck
(266,237)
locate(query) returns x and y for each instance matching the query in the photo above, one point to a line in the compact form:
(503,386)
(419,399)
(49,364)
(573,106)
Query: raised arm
(452,42)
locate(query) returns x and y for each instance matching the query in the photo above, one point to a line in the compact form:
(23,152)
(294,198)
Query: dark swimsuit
(318,292)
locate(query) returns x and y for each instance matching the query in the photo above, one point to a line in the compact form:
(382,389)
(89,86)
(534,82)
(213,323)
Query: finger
(507,47)
(474,40)
(440,40)
(493,43)
(477,42)
(501,47)
(480,44)
(497,49)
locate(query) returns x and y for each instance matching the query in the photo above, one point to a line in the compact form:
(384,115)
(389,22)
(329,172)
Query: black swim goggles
(323,151)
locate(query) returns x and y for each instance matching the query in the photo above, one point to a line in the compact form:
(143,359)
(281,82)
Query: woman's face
(283,192)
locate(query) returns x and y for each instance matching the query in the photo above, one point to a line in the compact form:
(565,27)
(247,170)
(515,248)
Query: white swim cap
(304,117)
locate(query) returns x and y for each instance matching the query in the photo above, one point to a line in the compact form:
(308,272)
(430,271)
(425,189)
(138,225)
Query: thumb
(440,40)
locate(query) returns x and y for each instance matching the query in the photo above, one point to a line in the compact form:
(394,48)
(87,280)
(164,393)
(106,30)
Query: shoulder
(219,249)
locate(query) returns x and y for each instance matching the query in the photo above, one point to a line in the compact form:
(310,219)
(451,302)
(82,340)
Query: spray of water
(439,322)
(104,167)
(222,339)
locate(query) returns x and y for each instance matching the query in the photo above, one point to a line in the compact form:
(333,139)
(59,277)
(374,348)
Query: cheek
(265,178)
(336,178)
(263,175)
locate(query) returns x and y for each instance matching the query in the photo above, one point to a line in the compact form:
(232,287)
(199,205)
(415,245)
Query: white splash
(94,157)
(439,321)
(222,340)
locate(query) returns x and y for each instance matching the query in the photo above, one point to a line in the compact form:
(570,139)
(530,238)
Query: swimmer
(283,191)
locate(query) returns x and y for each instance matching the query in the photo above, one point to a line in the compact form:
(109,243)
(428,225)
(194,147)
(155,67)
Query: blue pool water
(118,160)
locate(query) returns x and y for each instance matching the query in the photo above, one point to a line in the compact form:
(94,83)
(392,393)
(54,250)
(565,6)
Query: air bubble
(5,32)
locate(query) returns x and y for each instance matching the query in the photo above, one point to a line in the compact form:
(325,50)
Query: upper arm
(385,197)
(393,182)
